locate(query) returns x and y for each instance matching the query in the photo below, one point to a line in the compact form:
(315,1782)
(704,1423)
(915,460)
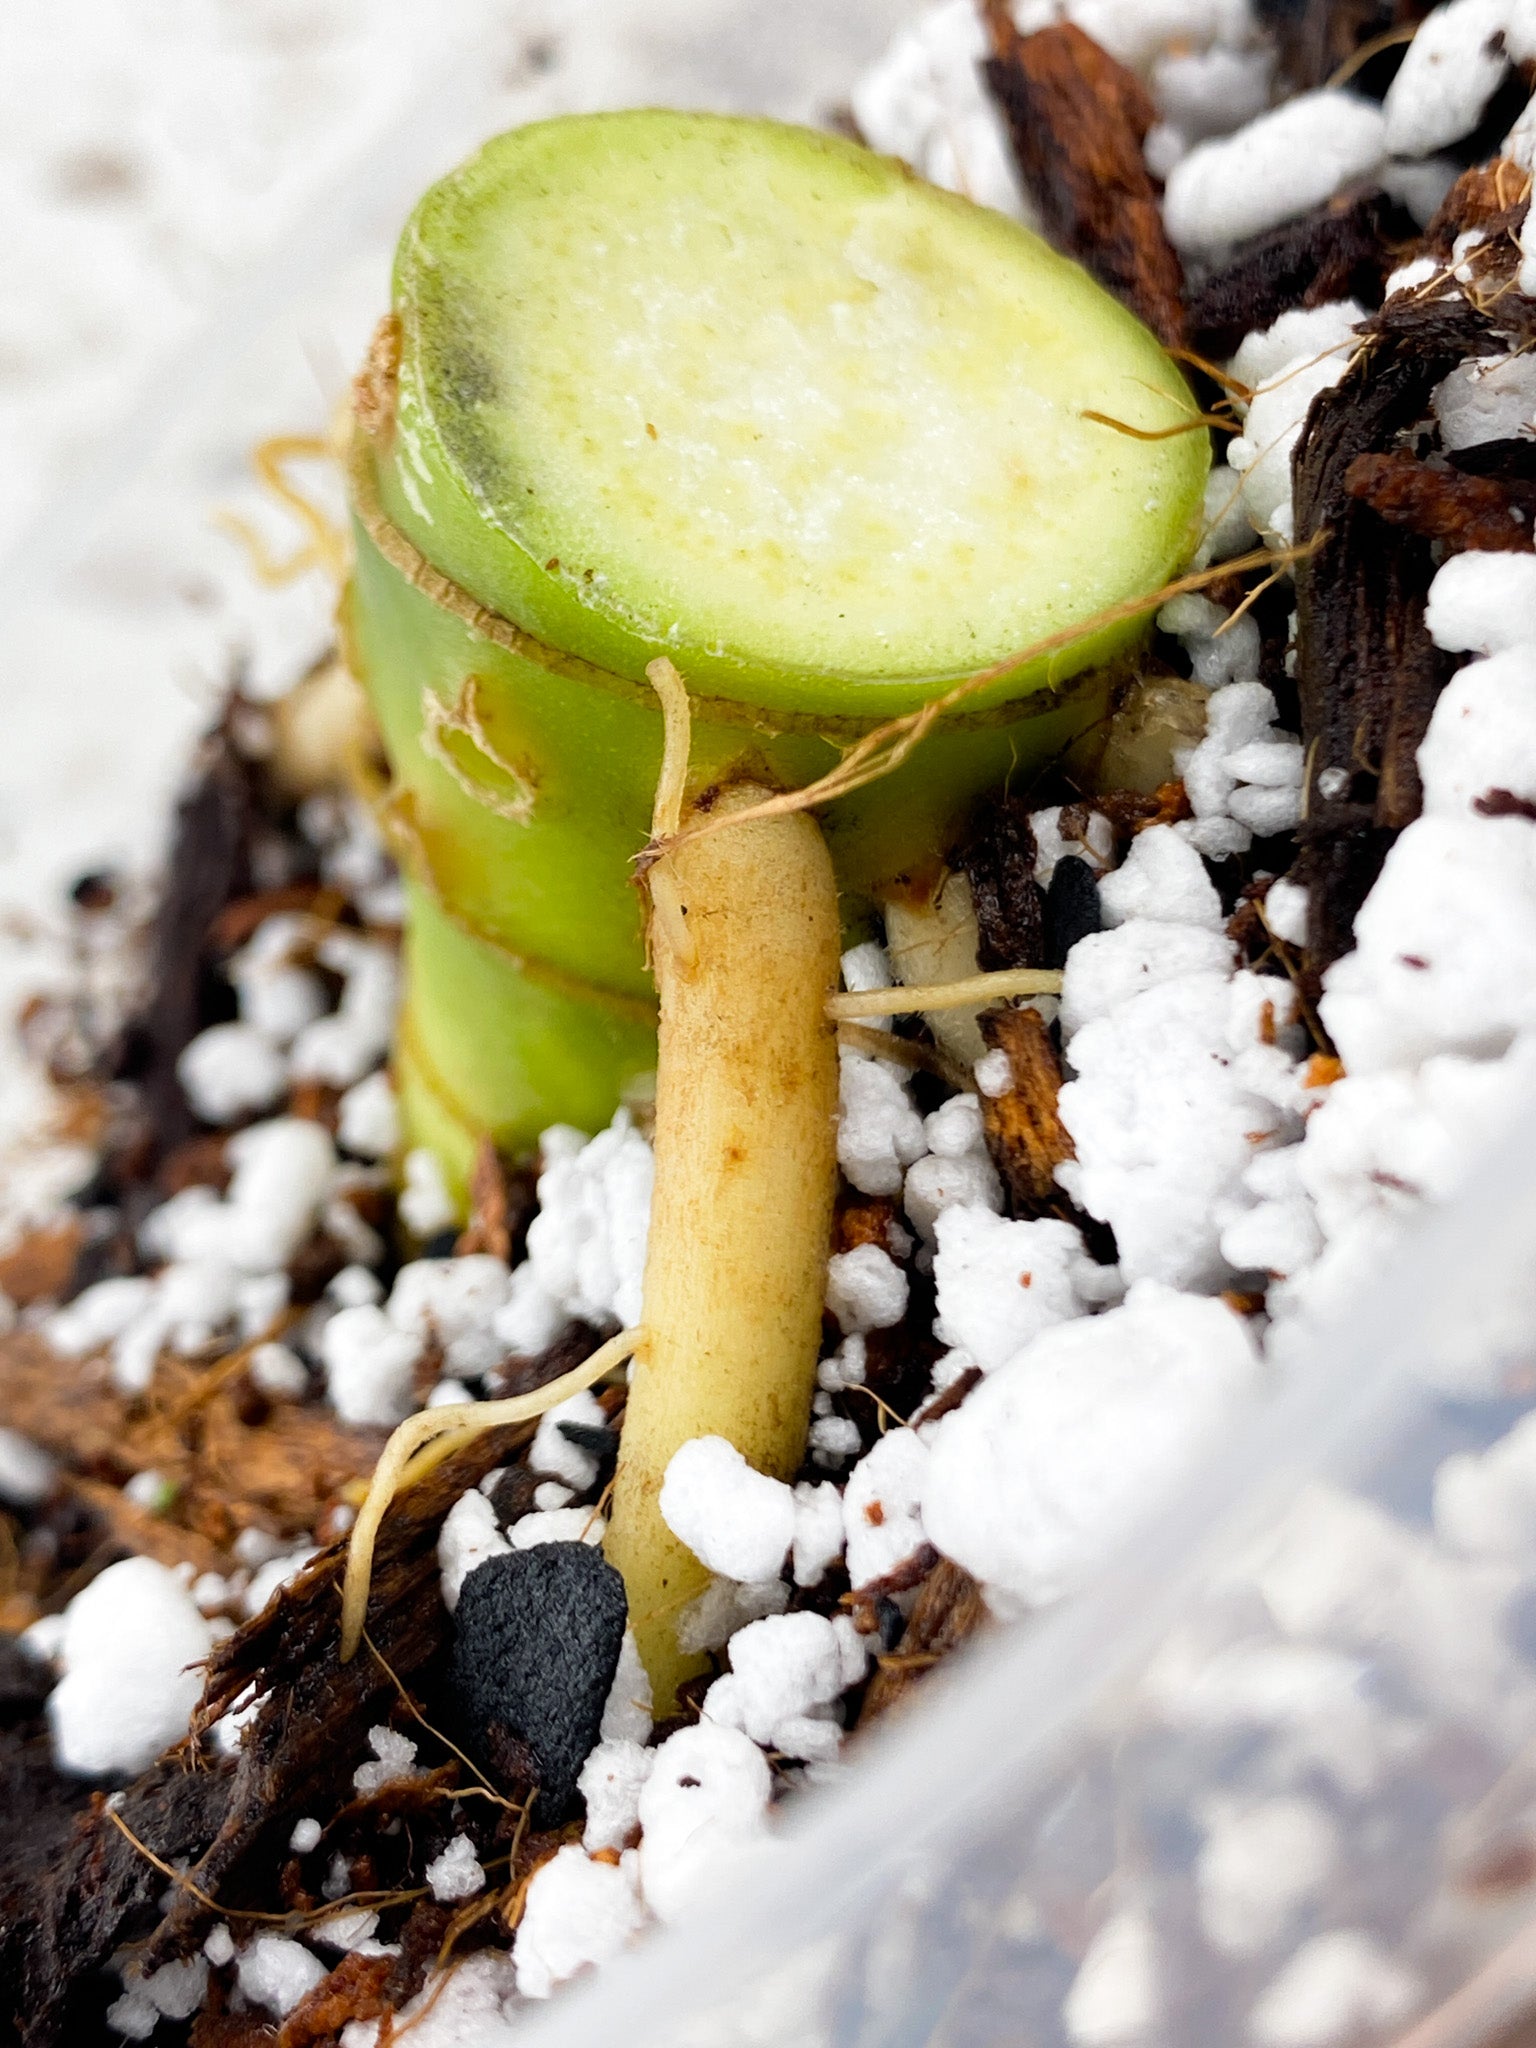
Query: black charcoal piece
(1071,908)
(537,1635)
(891,1622)
(441,1246)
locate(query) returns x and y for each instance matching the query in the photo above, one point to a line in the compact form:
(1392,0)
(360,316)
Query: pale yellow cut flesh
(758,397)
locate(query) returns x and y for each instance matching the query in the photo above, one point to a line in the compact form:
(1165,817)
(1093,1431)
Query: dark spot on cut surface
(466,375)
(537,1636)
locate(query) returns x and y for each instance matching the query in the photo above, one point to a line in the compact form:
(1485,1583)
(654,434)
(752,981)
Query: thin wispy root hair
(884,750)
(430,1437)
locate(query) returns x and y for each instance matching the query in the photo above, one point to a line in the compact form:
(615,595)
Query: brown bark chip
(951,1398)
(42,1265)
(1440,504)
(1490,197)
(999,863)
(948,1609)
(355,1990)
(501,1204)
(219,2029)
(62,1917)
(863,1603)
(1503,803)
(1024,1131)
(863,1219)
(1077,120)
(227,1822)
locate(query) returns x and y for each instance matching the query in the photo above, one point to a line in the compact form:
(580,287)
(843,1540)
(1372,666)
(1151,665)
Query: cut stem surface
(757,398)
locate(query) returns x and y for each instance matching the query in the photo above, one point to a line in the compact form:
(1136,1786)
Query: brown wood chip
(317,1102)
(200,1162)
(947,1402)
(1491,197)
(524,1375)
(63,1913)
(355,1990)
(209,865)
(1129,811)
(863,1219)
(489,1228)
(1025,1134)
(1442,505)
(1077,120)
(128,1530)
(228,1822)
(1503,803)
(1494,199)
(248,2029)
(1173,805)
(42,1265)
(863,1602)
(239,920)
(948,1609)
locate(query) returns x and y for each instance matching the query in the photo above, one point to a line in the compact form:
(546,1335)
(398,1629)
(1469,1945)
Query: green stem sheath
(755,399)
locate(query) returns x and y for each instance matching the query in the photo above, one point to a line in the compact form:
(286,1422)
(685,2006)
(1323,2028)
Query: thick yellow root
(744,941)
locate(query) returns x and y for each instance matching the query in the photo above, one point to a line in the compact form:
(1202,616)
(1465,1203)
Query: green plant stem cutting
(752,399)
